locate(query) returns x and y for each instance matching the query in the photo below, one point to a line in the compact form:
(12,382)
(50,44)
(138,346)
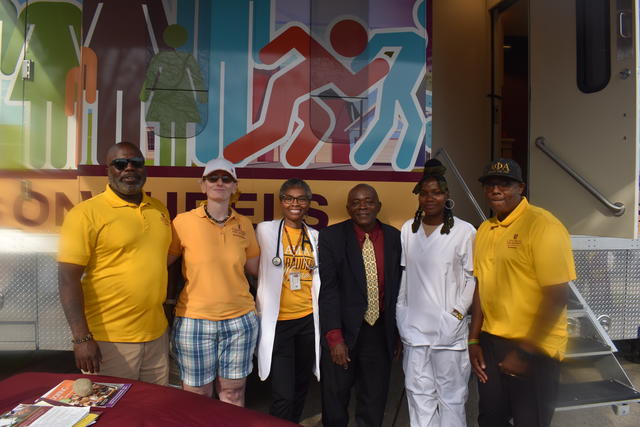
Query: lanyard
(294,250)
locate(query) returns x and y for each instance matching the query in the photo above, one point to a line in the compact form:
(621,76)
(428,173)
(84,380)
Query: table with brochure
(140,404)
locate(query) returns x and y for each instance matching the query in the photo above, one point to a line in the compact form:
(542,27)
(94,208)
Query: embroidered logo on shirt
(164,219)
(238,232)
(514,243)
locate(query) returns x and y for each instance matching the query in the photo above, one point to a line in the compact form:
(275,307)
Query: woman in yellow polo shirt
(216,327)
(287,301)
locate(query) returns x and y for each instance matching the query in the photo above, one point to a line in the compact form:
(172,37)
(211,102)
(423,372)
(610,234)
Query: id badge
(295,283)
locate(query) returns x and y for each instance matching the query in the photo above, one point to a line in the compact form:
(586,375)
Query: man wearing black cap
(518,334)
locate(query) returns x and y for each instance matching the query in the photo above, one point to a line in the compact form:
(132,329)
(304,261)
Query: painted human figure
(398,97)
(125,35)
(233,27)
(80,86)
(176,82)
(50,29)
(286,117)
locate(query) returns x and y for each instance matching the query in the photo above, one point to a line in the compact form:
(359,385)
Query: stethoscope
(276,260)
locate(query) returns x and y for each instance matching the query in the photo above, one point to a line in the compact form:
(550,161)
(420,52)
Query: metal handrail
(465,188)
(616,208)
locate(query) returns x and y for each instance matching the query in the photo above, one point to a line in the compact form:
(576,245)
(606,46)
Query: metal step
(574,304)
(594,393)
(585,347)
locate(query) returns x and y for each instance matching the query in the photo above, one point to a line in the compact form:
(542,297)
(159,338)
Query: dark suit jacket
(343,290)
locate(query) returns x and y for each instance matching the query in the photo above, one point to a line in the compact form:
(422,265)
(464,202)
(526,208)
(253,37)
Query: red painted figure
(288,107)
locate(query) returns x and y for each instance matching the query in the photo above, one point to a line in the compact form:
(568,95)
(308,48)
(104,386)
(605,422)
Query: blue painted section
(398,94)
(229,36)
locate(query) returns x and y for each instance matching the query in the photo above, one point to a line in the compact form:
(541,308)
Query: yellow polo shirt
(123,247)
(213,265)
(513,260)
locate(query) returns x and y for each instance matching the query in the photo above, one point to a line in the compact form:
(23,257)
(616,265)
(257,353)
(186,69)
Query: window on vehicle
(593,46)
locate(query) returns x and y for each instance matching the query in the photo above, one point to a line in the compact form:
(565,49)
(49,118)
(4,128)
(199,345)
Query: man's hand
(88,356)
(477,362)
(340,355)
(513,365)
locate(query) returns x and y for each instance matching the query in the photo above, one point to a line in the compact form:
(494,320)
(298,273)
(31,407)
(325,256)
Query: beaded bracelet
(85,338)
(473,342)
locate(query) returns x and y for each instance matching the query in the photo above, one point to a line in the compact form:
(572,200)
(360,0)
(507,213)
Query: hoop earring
(449,204)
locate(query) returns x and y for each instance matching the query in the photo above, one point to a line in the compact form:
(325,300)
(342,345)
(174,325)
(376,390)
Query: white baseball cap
(220,164)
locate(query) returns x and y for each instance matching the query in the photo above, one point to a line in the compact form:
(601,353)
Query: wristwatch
(85,338)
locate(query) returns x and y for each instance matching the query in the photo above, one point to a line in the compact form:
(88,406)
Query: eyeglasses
(226,179)
(121,164)
(302,200)
(502,184)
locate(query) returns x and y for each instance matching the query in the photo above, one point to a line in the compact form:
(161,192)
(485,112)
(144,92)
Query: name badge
(295,283)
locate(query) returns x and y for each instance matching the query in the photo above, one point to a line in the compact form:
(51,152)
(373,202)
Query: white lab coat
(269,289)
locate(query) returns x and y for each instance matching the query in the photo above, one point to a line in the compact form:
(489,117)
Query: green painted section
(11,147)
(51,48)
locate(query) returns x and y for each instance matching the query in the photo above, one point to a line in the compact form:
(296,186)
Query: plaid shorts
(205,349)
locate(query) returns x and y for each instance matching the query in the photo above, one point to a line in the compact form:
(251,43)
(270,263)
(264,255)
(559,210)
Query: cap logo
(500,167)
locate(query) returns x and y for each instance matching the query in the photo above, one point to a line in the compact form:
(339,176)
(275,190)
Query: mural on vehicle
(272,83)
(47,33)
(173,86)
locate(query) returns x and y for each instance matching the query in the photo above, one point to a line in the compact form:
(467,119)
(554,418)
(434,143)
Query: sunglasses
(302,200)
(121,164)
(226,179)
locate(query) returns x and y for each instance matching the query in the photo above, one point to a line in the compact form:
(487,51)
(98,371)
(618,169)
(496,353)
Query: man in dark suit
(357,306)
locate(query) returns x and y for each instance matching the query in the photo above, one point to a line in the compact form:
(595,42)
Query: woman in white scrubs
(435,295)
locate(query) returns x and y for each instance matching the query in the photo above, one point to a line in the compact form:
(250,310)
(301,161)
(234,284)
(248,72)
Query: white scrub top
(438,278)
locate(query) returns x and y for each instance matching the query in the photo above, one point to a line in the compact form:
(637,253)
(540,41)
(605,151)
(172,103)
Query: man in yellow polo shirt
(113,275)
(518,333)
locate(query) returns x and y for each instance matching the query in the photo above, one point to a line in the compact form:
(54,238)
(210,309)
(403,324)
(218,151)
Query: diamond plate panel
(53,330)
(602,281)
(632,305)
(18,280)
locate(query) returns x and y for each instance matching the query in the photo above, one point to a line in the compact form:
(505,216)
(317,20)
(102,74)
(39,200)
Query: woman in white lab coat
(435,295)
(287,302)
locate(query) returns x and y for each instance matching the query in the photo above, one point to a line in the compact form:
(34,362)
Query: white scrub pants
(436,381)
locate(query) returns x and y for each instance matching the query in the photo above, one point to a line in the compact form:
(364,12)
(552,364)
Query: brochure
(105,395)
(88,419)
(49,416)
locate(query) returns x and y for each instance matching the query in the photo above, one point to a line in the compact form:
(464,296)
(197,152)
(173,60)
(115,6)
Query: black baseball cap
(503,168)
